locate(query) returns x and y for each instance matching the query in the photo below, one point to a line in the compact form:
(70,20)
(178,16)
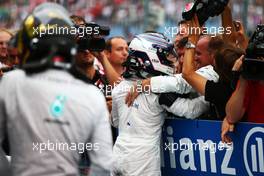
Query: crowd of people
(56,91)
(127,17)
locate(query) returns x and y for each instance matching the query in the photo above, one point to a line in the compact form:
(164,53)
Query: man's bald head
(202,56)
(5,36)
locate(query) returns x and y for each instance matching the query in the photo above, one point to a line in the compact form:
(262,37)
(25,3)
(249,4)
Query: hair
(182,22)
(215,44)
(224,61)
(108,43)
(182,42)
(6,31)
(76,19)
(152,31)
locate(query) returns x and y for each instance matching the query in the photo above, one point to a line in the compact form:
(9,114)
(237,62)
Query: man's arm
(4,165)
(162,84)
(235,106)
(176,83)
(110,73)
(234,30)
(197,81)
(159,84)
(2,113)
(227,23)
(165,84)
(188,108)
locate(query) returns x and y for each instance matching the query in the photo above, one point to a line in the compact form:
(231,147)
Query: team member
(49,115)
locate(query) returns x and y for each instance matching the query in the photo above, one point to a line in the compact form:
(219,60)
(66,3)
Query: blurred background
(130,17)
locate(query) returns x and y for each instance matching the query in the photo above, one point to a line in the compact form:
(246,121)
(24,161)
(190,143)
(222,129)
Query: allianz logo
(253,154)
(253,151)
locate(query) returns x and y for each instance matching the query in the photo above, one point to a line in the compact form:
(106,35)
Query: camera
(92,38)
(253,65)
(204,9)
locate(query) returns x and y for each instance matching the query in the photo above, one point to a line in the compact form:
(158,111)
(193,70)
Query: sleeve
(208,73)
(176,83)
(217,93)
(189,108)
(168,99)
(114,112)
(2,114)
(101,155)
(4,164)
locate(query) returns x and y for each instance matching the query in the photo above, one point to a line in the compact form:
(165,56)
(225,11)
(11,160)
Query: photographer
(248,99)
(86,56)
(48,102)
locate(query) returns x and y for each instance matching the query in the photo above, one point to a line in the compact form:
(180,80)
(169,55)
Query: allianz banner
(194,147)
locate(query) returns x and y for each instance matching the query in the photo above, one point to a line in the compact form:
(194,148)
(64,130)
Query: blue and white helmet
(148,56)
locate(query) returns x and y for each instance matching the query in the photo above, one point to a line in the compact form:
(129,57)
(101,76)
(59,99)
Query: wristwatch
(190,45)
(139,83)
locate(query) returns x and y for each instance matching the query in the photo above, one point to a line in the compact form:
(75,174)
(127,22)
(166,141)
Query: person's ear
(107,53)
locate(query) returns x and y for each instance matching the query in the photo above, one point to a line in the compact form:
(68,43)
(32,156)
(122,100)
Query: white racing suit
(184,107)
(137,148)
(50,118)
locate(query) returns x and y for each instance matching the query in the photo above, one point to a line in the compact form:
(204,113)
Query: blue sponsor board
(194,147)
